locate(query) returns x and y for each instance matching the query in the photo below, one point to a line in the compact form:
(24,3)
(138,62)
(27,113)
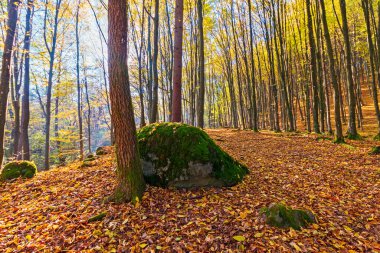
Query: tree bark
(352,130)
(79,89)
(201,92)
(25,115)
(314,79)
(177,65)
(338,122)
(130,181)
(5,69)
(154,113)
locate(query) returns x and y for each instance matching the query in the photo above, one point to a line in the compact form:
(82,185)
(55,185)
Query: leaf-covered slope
(341,185)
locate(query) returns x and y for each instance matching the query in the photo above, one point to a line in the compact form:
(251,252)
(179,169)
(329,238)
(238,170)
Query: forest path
(341,184)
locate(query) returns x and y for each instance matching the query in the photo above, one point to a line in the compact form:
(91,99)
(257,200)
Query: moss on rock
(282,216)
(375,151)
(102,151)
(24,169)
(183,156)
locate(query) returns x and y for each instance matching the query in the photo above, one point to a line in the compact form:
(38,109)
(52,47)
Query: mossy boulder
(24,169)
(281,216)
(183,156)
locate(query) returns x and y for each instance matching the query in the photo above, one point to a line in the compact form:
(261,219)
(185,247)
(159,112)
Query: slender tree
(52,55)
(314,79)
(154,112)
(25,116)
(352,130)
(177,65)
(201,91)
(255,119)
(79,88)
(338,122)
(5,69)
(371,48)
(130,181)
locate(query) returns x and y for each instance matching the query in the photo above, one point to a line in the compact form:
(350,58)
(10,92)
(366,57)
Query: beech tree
(352,130)
(201,92)
(130,181)
(5,69)
(177,65)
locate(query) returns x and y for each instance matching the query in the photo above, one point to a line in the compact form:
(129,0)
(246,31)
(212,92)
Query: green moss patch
(24,169)
(375,151)
(98,217)
(180,155)
(282,216)
(103,151)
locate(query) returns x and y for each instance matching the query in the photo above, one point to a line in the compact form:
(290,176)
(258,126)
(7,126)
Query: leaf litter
(51,212)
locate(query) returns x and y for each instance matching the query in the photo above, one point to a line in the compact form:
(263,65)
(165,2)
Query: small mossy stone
(183,156)
(87,164)
(375,151)
(90,156)
(24,169)
(98,217)
(102,151)
(282,216)
(89,159)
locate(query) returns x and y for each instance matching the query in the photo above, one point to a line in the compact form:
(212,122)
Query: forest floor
(339,183)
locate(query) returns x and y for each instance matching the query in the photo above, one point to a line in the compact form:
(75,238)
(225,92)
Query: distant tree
(51,48)
(352,130)
(338,122)
(79,89)
(25,116)
(177,65)
(314,72)
(5,69)
(371,48)
(130,181)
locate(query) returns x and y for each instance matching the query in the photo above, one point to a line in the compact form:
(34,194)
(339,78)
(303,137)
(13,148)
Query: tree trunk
(5,69)
(338,123)
(130,181)
(365,5)
(352,131)
(25,116)
(79,89)
(51,51)
(201,94)
(154,113)
(177,65)
(314,79)
(254,103)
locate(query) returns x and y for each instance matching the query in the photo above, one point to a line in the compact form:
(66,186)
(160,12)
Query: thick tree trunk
(5,69)
(177,65)
(130,181)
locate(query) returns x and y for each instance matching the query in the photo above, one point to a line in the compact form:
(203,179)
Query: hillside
(339,183)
